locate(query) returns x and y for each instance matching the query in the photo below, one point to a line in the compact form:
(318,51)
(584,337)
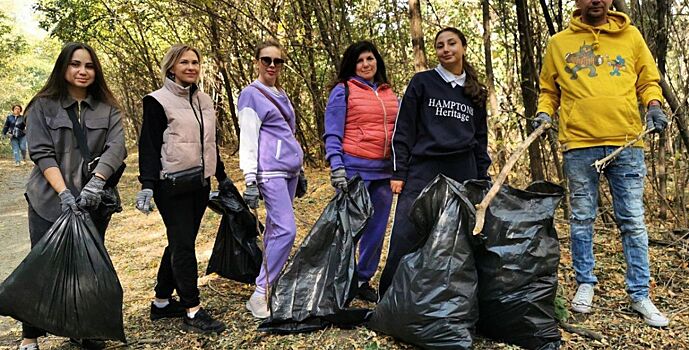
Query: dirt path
(14,229)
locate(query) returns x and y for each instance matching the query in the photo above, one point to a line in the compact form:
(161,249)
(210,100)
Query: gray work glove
(338,179)
(143,201)
(541,117)
(302,185)
(67,201)
(89,198)
(655,118)
(251,195)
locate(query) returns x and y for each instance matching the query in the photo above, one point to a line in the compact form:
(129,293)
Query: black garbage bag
(317,285)
(432,301)
(517,260)
(236,254)
(67,284)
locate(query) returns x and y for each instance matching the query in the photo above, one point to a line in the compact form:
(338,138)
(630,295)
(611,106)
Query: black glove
(143,201)
(338,179)
(90,195)
(302,185)
(541,117)
(67,201)
(251,195)
(655,118)
(225,186)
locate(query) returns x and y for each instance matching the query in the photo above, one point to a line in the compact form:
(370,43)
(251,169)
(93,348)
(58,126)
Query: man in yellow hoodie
(595,72)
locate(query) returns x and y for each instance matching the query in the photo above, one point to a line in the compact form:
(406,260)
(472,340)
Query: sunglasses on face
(267,61)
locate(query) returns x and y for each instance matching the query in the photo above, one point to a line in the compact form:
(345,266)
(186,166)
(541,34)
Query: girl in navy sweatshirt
(441,129)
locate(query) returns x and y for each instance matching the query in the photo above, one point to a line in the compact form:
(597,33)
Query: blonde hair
(172,56)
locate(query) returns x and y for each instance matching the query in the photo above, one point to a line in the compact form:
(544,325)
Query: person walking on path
(177,156)
(441,129)
(359,121)
(271,159)
(76,92)
(15,128)
(595,72)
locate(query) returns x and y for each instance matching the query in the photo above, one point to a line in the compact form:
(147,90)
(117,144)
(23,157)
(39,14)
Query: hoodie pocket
(602,118)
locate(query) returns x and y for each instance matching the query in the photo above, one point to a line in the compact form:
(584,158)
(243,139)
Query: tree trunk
(490,83)
(661,35)
(528,84)
(218,56)
(621,5)
(415,19)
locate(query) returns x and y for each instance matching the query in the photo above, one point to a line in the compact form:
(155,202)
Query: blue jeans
(18,145)
(625,176)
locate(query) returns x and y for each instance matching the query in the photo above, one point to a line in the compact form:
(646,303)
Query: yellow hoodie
(595,76)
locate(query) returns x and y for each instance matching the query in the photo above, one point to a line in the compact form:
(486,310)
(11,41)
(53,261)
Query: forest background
(507,42)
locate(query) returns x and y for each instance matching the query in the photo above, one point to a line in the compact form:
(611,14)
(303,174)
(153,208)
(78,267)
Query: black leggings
(178,269)
(38,227)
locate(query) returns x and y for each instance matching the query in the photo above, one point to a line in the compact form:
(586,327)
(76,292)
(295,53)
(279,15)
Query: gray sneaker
(583,299)
(652,316)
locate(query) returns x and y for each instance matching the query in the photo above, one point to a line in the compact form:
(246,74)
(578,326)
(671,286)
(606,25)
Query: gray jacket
(53,144)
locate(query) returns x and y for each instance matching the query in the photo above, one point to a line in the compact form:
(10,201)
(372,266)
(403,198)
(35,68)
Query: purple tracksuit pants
(281,228)
(371,241)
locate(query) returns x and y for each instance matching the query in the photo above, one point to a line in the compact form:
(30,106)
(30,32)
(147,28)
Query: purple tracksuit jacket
(268,148)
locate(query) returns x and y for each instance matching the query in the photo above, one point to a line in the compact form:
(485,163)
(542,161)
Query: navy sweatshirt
(435,120)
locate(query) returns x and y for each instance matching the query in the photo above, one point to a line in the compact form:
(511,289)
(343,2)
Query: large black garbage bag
(236,254)
(432,299)
(67,284)
(317,285)
(517,261)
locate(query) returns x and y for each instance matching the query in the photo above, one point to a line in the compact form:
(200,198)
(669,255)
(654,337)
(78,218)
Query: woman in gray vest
(76,85)
(177,156)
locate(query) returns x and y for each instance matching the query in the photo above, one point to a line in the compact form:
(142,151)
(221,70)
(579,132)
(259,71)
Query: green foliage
(561,311)
(24,65)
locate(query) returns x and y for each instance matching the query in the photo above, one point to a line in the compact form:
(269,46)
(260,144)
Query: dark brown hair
(473,87)
(350,58)
(56,86)
(20,108)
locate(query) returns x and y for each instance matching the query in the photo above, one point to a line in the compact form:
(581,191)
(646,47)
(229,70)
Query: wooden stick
(602,163)
(483,206)
(265,257)
(136,342)
(581,331)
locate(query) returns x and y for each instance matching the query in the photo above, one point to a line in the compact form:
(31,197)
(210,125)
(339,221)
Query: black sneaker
(90,344)
(172,310)
(367,293)
(202,323)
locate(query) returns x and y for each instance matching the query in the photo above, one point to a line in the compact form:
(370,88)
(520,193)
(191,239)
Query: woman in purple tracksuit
(359,121)
(271,159)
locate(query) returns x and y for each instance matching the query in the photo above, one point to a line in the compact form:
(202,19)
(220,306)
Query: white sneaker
(31,346)
(583,299)
(258,306)
(650,312)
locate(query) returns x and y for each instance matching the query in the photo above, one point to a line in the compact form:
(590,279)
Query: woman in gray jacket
(76,86)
